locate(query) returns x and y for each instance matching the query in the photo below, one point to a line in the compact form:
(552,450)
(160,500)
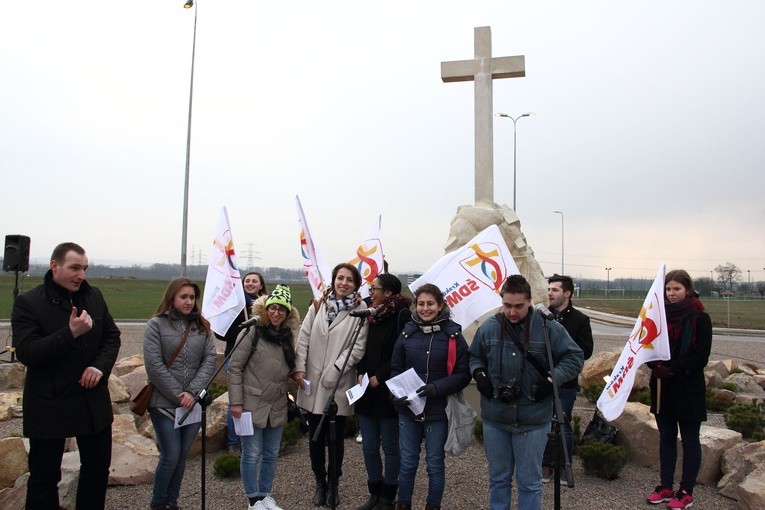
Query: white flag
(470,277)
(316,267)
(224,295)
(369,258)
(647,342)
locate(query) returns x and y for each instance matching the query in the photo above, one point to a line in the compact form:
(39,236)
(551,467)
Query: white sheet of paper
(406,385)
(243,424)
(307,389)
(195,416)
(357,391)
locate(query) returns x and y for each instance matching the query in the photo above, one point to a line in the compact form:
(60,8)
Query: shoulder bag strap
(178,351)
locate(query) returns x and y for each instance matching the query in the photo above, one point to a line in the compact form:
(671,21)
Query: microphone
(250,322)
(544,312)
(364,313)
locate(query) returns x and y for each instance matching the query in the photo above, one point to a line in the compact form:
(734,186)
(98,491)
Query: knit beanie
(281,295)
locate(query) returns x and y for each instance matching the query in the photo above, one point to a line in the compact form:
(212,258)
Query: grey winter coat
(191,370)
(257,380)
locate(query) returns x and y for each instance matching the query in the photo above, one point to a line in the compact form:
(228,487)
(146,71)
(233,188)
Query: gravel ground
(467,481)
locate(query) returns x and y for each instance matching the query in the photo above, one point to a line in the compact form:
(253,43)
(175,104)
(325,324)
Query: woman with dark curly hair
(432,344)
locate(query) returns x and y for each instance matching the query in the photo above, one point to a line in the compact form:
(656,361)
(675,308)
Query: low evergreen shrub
(478,431)
(592,391)
(745,418)
(226,466)
(603,460)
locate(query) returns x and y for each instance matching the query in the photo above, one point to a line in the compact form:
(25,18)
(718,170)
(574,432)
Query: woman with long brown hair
(179,355)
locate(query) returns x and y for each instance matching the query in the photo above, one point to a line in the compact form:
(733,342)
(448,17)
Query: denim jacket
(524,413)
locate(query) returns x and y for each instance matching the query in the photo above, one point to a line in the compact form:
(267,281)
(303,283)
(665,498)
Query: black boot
(320,496)
(374,495)
(387,497)
(333,498)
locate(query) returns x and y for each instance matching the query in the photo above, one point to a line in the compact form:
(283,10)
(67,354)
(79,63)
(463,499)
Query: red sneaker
(660,495)
(682,499)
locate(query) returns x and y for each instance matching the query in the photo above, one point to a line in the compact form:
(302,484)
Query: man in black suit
(559,292)
(64,334)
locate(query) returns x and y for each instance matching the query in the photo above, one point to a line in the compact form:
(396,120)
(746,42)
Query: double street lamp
(515,120)
(185,228)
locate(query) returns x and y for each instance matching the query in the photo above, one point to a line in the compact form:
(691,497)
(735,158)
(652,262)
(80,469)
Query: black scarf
(390,307)
(281,337)
(682,318)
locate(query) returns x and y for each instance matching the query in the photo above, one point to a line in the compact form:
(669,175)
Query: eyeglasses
(372,288)
(277,309)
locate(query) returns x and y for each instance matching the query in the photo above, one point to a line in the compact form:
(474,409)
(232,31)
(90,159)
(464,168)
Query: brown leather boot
(403,506)
(431,507)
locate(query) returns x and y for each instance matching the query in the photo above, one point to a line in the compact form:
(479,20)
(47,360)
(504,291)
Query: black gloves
(399,403)
(429,390)
(661,371)
(483,383)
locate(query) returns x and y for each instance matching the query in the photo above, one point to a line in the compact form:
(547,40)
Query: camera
(509,391)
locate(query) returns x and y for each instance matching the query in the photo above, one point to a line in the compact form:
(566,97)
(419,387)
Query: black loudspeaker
(16,256)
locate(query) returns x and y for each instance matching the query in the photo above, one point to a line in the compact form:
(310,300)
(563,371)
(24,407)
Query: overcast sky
(648,132)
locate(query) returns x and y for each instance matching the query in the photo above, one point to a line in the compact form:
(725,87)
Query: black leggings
(689,432)
(317,448)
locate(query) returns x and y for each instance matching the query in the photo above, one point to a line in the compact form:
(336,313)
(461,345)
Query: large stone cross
(482,70)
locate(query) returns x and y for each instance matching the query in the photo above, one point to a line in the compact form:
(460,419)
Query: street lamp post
(515,120)
(562,270)
(185,228)
(608,279)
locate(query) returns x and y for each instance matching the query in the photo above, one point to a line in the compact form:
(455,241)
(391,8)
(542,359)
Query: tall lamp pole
(562,270)
(608,279)
(185,229)
(515,120)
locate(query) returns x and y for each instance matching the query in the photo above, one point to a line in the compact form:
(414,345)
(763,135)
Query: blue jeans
(567,398)
(411,434)
(373,432)
(258,462)
(174,446)
(689,432)
(514,451)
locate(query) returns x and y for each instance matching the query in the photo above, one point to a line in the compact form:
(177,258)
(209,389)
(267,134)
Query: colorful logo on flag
(486,265)
(649,329)
(365,259)
(226,253)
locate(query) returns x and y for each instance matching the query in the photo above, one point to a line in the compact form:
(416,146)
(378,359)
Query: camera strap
(522,347)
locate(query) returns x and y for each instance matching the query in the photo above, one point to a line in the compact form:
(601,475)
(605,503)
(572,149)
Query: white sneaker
(358,438)
(269,503)
(257,506)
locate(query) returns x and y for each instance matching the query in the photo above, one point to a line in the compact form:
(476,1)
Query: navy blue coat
(427,354)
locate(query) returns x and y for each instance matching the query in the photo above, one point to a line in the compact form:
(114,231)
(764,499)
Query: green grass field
(138,299)
(128,298)
(746,314)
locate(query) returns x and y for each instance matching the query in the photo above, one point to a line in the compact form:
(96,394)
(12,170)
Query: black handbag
(599,430)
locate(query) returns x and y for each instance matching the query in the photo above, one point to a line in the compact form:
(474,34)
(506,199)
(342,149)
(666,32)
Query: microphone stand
(555,432)
(330,411)
(204,400)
